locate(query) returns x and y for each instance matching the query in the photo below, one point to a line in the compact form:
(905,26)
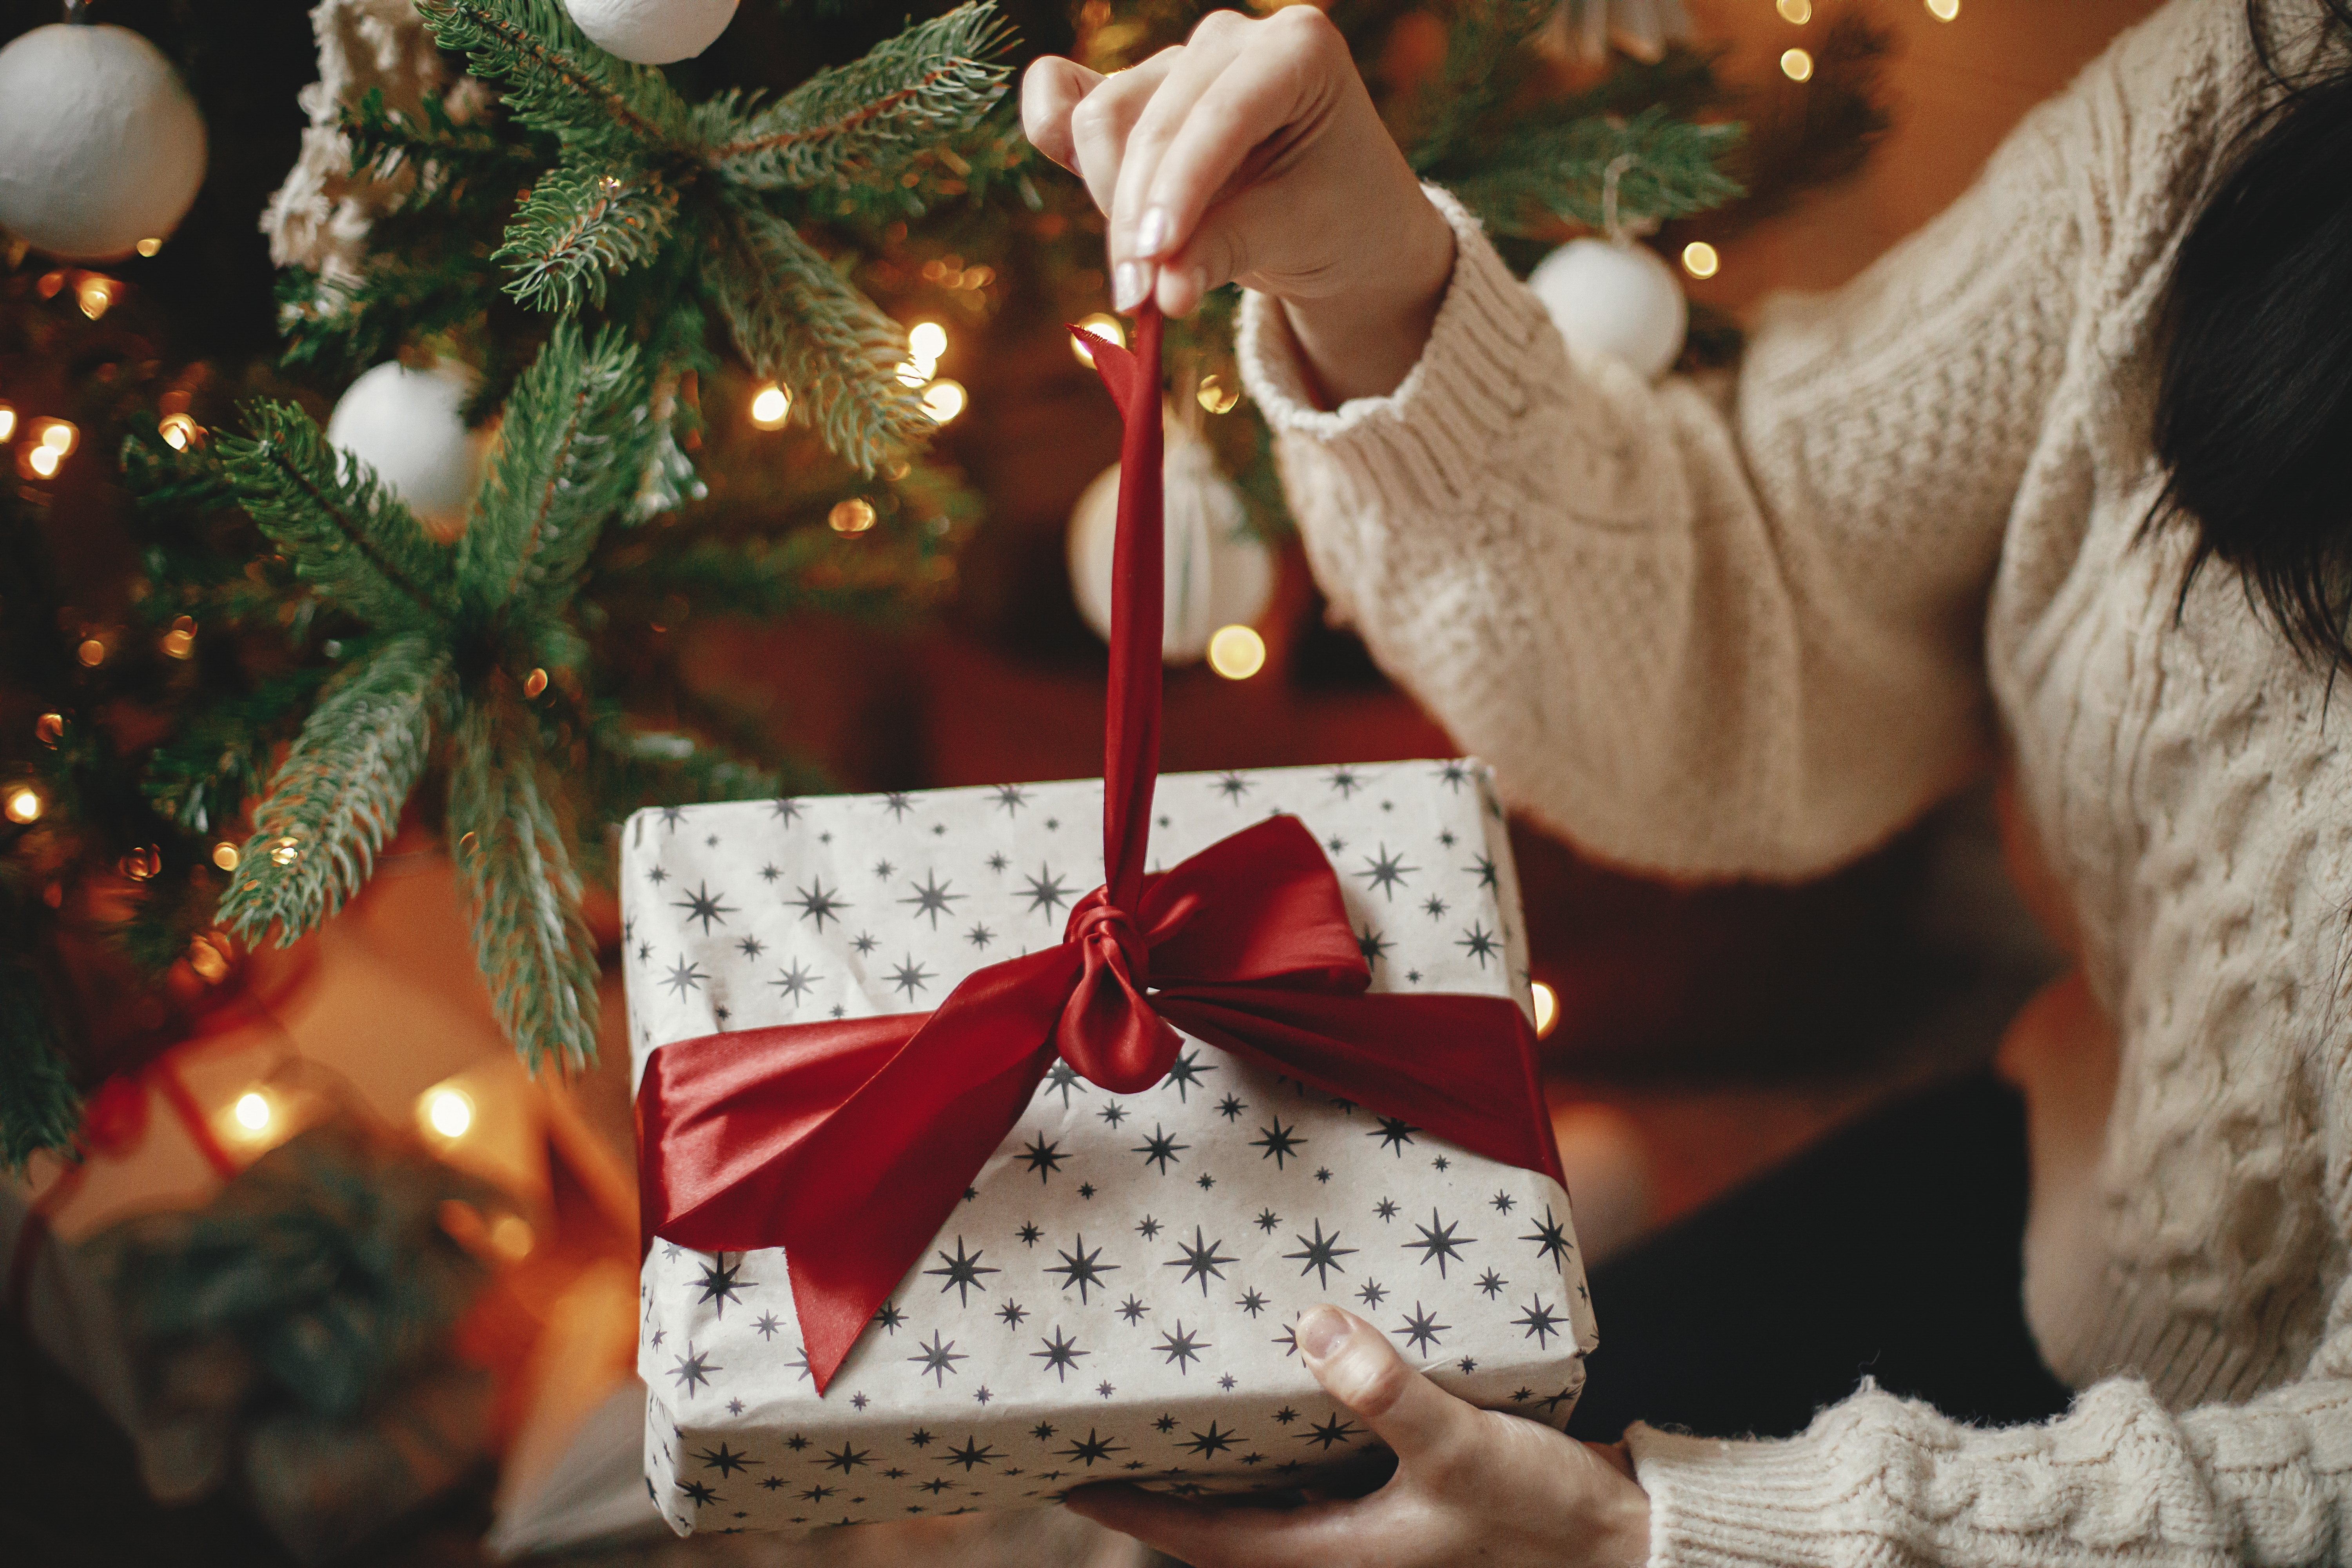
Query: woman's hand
(1252,153)
(1471,1485)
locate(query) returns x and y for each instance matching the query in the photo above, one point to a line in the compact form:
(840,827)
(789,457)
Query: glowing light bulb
(49,729)
(8,422)
(1217,396)
(855,515)
(43,461)
(252,1111)
(1796,65)
(1796,11)
(770,407)
(178,430)
(94,295)
(448,1111)
(1700,259)
(92,652)
(1547,1008)
(911,374)
(512,1239)
(285,852)
(1236,653)
(943,400)
(224,856)
(1943,10)
(927,341)
(150,247)
(534,683)
(58,435)
(24,804)
(1103,326)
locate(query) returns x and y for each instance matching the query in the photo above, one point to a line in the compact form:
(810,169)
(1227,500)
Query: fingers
(1101,122)
(1050,90)
(1215,47)
(1357,1366)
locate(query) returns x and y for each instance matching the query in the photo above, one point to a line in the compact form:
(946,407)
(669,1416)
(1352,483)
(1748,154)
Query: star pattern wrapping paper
(1116,1296)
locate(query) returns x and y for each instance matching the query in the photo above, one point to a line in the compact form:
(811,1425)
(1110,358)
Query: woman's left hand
(1471,1485)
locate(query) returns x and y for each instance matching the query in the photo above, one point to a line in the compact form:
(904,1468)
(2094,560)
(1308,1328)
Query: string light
(928,342)
(855,515)
(1103,326)
(1217,396)
(8,422)
(1943,10)
(770,407)
(448,1111)
(49,729)
(1700,259)
(208,956)
(43,461)
(1236,653)
(180,640)
(59,437)
(534,683)
(143,864)
(911,374)
(1546,999)
(285,852)
(511,1238)
(92,652)
(24,804)
(1796,65)
(1796,11)
(943,400)
(224,856)
(178,430)
(253,1111)
(150,247)
(94,294)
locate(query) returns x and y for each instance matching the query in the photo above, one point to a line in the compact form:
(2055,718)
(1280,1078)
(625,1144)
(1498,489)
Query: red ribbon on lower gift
(849,1143)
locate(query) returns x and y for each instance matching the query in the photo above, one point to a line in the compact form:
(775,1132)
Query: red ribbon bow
(849,1143)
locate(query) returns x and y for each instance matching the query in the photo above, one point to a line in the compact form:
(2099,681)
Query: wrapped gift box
(1114,1297)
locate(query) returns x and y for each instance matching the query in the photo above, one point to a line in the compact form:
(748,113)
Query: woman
(2064,474)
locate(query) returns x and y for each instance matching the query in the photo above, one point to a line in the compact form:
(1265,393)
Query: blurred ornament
(409,426)
(101,145)
(1585,29)
(653,32)
(1614,298)
(1220,574)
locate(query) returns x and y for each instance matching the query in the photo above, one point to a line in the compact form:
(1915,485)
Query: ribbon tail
(1430,1060)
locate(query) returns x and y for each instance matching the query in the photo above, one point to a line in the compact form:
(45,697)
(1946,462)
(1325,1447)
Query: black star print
(1160,1150)
(864,942)
(979,936)
(1230,1106)
(1233,787)
(700,1491)
(1183,1347)
(1147,1228)
(1063,1078)
(1468,1365)
(1335,843)
(1386,1208)
(657,876)
(1132,1309)
(1267,1220)
(1091,1447)
(897,804)
(720,1013)
(1438,1243)
(920,1437)
(1479,943)
(1012,1314)
(1323,1173)
(692,1370)
(1483,866)
(997,862)
(1394,1132)
(794,982)
(645,951)
(1044,1158)
(1206,1182)
(963,1274)
(1434,907)
(787,810)
(1043,1431)
(1413,977)
(767,1325)
(751,947)
(818,905)
(932,898)
(1321,1255)
(1081,1267)
(1503,1203)
(857,1402)
(1211,1442)
(1201,1260)
(684,977)
(939,1359)
(1030,1235)
(724,1460)
(1422,1328)
(1387,872)
(720,1283)
(1185,1072)
(1278,1141)
(1492,1284)
(935,1485)
(1373,1293)
(1011,797)
(1370,944)
(910,977)
(1338,1430)
(1046,892)
(703,905)
(1113,1113)
(1551,1237)
(972,1454)
(1539,1321)
(891,1317)
(1061,1355)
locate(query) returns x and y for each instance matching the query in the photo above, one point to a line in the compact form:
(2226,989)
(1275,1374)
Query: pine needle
(580,227)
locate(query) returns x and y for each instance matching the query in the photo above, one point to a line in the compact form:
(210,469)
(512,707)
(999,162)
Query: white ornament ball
(1219,572)
(410,427)
(101,144)
(653,32)
(1620,300)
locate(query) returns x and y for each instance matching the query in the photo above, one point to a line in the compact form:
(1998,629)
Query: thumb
(1357,1366)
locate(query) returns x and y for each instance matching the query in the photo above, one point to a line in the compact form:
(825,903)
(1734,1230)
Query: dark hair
(2253,419)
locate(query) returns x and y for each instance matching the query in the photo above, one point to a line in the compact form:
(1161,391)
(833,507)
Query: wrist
(1363,339)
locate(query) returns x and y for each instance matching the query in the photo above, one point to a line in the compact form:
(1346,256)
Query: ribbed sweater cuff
(1429,438)
(1740,1504)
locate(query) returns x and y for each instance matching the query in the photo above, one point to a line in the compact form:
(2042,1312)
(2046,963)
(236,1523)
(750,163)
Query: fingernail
(1322,1332)
(1151,236)
(1129,285)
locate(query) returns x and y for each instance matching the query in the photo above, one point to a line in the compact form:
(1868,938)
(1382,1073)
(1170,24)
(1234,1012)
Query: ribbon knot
(1108,1029)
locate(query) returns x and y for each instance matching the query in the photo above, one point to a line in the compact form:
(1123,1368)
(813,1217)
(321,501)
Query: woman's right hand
(1252,153)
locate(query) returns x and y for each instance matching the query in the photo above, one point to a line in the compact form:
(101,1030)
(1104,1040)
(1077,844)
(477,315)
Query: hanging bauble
(1219,572)
(101,145)
(1614,298)
(409,425)
(653,32)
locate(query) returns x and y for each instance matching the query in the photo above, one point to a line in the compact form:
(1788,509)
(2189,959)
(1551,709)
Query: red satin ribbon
(849,1143)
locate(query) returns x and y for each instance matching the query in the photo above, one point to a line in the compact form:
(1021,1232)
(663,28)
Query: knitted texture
(1754,634)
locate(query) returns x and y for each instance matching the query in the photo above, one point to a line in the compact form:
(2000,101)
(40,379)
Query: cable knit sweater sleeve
(1701,644)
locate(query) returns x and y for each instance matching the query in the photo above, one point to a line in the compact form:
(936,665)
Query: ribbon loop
(1108,1030)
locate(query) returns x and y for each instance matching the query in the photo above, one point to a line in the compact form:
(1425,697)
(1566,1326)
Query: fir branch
(199,778)
(572,453)
(867,120)
(336,797)
(1486,64)
(556,79)
(799,321)
(385,142)
(530,940)
(1560,171)
(579,226)
(336,521)
(39,1107)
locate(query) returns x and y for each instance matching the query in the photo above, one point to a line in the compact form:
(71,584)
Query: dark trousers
(1889,1250)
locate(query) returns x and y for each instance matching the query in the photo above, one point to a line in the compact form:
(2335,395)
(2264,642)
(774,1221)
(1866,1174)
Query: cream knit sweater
(1756,640)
